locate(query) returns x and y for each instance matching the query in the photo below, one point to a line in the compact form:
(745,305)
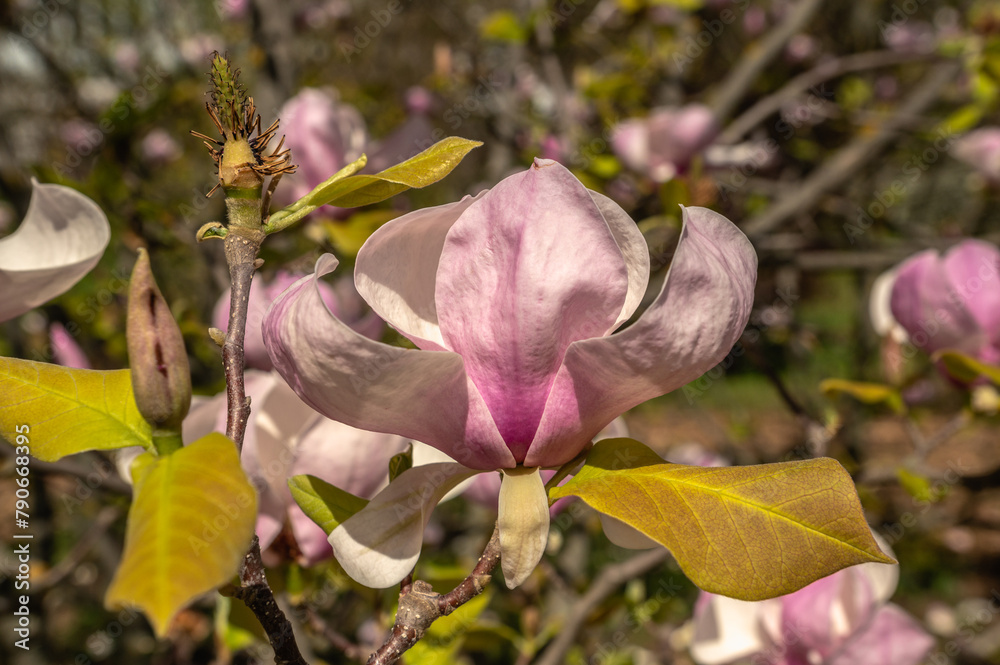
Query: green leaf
(443,639)
(401,462)
(869,393)
(351,191)
(504,26)
(188,528)
(323,503)
(750,532)
(966,368)
(421,170)
(916,485)
(69,410)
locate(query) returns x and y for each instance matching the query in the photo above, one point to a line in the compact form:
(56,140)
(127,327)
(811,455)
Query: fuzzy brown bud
(161,376)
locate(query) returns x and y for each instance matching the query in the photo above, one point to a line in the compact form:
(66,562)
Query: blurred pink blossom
(159,147)
(951,301)
(662,144)
(341,298)
(980,149)
(65,350)
(842,619)
(285,437)
(324,135)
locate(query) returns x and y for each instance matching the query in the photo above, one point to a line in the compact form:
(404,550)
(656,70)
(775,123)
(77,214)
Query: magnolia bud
(161,377)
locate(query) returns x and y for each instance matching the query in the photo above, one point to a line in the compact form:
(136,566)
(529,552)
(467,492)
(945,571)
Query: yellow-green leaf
(323,503)
(966,368)
(421,170)
(351,191)
(189,526)
(750,532)
(69,410)
(869,393)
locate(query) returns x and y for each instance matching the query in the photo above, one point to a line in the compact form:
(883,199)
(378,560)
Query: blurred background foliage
(835,122)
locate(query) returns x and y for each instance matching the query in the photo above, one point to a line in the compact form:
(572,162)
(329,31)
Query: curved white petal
(523,520)
(623,535)
(396,271)
(379,545)
(60,240)
(726,629)
(634,250)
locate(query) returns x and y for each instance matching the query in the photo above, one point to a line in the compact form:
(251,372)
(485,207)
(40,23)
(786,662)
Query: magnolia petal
(630,141)
(925,304)
(893,636)
(523,520)
(699,314)
(623,535)
(634,250)
(396,270)
(726,629)
(973,269)
(880,309)
(355,460)
(379,545)
(61,239)
(422,395)
(524,272)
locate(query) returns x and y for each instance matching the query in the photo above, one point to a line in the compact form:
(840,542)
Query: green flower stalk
(161,376)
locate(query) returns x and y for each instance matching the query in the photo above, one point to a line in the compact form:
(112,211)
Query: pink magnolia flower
(512,298)
(662,145)
(980,149)
(342,299)
(61,239)
(841,619)
(284,438)
(324,134)
(951,301)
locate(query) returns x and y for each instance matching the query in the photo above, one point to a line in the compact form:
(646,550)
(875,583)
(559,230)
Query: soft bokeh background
(834,145)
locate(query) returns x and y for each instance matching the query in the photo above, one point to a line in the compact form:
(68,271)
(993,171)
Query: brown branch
(824,71)
(349,649)
(846,162)
(420,606)
(606,583)
(242,247)
(745,74)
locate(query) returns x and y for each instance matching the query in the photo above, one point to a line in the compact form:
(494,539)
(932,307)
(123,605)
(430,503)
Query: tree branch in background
(829,69)
(732,89)
(845,163)
(606,584)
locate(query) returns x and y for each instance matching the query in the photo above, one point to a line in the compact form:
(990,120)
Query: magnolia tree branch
(826,70)
(242,247)
(420,606)
(745,73)
(846,162)
(606,584)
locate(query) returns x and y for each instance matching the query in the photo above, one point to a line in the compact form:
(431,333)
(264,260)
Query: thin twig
(846,162)
(745,74)
(824,71)
(420,606)
(242,247)
(57,573)
(349,649)
(606,584)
